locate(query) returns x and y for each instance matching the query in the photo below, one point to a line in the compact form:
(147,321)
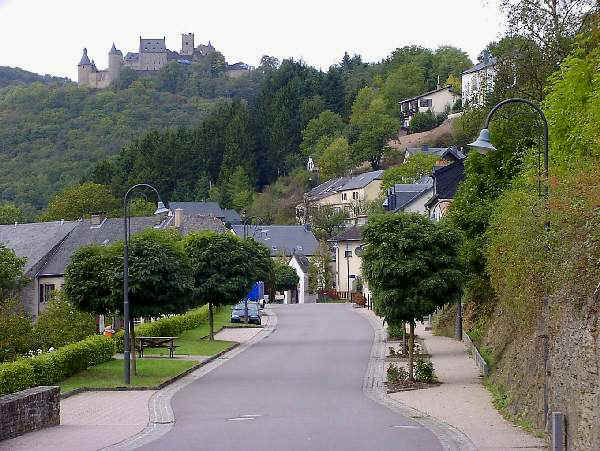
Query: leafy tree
(285,277)
(222,269)
(320,276)
(141,207)
(16,330)
(324,128)
(411,264)
(406,81)
(412,170)
(238,190)
(60,324)
(335,160)
(375,130)
(80,201)
(455,83)
(449,61)
(310,109)
(11,272)
(10,213)
(326,221)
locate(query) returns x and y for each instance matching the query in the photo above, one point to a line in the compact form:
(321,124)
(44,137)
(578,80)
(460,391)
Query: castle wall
(187,44)
(152,61)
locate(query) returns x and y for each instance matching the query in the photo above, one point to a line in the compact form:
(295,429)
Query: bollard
(559,436)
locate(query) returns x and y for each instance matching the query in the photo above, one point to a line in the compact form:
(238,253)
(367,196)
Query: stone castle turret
(115,62)
(83,69)
(187,44)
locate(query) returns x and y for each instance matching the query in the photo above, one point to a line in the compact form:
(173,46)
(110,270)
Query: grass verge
(501,401)
(110,374)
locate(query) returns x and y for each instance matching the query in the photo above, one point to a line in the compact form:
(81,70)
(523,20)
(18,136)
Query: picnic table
(157,342)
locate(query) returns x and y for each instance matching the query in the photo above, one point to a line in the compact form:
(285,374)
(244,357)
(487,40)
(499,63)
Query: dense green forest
(191,128)
(16,76)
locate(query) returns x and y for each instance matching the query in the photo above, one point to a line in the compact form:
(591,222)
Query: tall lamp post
(159,210)
(483,145)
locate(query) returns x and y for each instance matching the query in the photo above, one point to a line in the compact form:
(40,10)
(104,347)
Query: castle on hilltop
(152,56)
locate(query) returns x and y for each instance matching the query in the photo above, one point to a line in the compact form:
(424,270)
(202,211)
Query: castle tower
(187,44)
(83,69)
(115,61)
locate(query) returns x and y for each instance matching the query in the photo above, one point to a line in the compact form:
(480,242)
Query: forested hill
(51,135)
(17,76)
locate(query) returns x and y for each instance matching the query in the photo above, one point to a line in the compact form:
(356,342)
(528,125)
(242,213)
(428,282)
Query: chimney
(97,220)
(178,217)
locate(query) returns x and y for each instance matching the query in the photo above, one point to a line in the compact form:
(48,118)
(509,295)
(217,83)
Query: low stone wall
(28,410)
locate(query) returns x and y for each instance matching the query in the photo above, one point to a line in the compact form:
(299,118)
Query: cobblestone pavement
(460,404)
(90,421)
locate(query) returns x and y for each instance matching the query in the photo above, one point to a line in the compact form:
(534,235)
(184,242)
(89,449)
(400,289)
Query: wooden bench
(157,342)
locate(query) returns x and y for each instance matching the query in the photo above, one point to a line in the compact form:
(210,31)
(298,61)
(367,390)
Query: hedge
(52,367)
(170,326)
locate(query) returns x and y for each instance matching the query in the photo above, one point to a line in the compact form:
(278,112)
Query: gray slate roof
(207,209)
(199,223)
(84,58)
(402,194)
(35,240)
(427,93)
(437,151)
(302,262)
(350,234)
(343,183)
(109,232)
(286,239)
(479,66)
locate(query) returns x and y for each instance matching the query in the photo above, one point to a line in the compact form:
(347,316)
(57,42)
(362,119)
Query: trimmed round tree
(411,264)
(223,267)
(285,277)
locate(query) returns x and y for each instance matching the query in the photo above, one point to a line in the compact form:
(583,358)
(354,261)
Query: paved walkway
(95,420)
(461,400)
(89,421)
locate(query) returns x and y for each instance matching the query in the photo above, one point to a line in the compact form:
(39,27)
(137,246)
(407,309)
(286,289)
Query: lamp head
(160,208)
(483,144)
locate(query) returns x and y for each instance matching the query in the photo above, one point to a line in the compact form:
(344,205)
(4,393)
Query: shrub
(52,367)
(424,371)
(16,330)
(395,331)
(396,374)
(422,122)
(169,326)
(16,376)
(60,324)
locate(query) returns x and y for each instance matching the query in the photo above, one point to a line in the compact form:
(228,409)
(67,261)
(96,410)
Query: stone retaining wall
(28,410)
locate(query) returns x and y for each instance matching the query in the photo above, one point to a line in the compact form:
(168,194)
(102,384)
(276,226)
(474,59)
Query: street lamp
(159,210)
(483,145)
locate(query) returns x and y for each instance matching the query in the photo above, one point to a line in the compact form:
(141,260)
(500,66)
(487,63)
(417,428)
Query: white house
(437,101)
(300,264)
(478,81)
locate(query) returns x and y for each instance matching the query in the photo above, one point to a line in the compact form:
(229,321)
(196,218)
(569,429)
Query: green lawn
(110,374)
(190,342)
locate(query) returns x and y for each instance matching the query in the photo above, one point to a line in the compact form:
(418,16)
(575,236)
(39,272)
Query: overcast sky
(47,36)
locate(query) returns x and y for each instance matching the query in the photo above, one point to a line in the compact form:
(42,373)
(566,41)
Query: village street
(300,388)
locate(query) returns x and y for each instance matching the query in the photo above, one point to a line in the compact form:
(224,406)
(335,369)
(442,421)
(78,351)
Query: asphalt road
(298,389)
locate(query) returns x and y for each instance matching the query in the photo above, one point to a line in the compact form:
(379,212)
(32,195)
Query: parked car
(238,313)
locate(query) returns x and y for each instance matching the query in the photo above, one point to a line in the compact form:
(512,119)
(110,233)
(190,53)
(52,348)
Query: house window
(425,103)
(354,195)
(344,196)
(46,291)
(347,254)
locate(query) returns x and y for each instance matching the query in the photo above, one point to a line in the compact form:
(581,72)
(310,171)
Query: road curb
(161,416)
(450,437)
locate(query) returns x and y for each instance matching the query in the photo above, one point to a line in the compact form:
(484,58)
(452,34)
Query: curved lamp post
(483,145)
(159,210)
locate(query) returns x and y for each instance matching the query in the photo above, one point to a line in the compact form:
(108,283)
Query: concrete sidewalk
(461,400)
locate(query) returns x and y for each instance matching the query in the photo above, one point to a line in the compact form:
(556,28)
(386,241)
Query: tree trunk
(211,322)
(411,350)
(133,361)
(403,338)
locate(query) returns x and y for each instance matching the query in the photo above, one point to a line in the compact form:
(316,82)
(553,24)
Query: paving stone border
(161,415)
(450,437)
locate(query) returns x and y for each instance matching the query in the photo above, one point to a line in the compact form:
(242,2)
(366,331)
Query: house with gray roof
(300,263)
(478,81)
(38,243)
(446,180)
(281,240)
(409,197)
(349,194)
(445,155)
(207,209)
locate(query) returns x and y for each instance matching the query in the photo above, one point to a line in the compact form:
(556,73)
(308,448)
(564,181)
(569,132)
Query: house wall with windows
(353,200)
(437,102)
(478,82)
(347,263)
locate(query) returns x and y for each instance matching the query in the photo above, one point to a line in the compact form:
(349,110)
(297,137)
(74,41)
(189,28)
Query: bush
(395,331)
(16,330)
(52,367)
(424,371)
(60,324)
(170,326)
(422,122)
(396,374)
